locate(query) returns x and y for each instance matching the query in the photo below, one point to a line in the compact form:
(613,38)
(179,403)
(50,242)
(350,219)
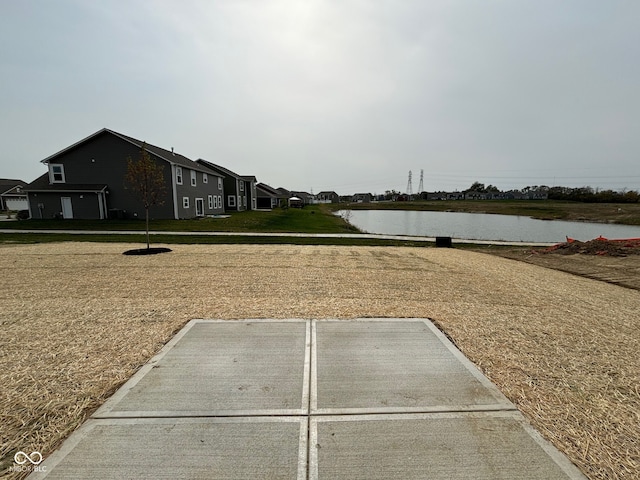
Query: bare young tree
(145,177)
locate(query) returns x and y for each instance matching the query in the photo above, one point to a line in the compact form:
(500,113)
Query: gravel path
(78,319)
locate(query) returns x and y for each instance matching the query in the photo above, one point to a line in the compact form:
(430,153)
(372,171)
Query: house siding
(102,160)
(236,198)
(200,190)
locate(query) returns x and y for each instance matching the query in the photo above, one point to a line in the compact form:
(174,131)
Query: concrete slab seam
(307,368)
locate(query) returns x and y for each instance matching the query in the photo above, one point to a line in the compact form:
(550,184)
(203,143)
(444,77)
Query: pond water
(481,226)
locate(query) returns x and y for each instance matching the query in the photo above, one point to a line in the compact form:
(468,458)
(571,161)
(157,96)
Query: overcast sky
(344,95)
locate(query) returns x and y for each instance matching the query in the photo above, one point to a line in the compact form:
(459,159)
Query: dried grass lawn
(77,319)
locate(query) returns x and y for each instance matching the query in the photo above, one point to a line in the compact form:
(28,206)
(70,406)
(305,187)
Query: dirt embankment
(612,261)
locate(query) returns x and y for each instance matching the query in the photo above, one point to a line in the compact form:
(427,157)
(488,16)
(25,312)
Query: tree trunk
(146,214)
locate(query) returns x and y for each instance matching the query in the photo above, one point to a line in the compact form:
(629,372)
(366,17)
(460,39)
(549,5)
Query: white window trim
(52,175)
(194,181)
(219,183)
(232,200)
(185,202)
(179,175)
(242,185)
(205,178)
(210,201)
(220,205)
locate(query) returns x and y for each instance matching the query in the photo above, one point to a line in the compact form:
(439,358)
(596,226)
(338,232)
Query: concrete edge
(470,366)
(112,401)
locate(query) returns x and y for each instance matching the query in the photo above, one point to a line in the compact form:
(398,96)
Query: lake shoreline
(607,213)
(479,226)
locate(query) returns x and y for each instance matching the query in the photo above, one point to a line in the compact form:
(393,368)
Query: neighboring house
(251,193)
(12,195)
(268,197)
(87,180)
(328,197)
(361,198)
(240,190)
(443,195)
(306,197)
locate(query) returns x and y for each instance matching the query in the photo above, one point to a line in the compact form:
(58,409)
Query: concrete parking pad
(318,399)
(443,446)
(222,368)
(394,366)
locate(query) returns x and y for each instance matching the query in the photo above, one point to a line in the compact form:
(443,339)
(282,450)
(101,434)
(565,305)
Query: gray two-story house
(87,180)
(240,190)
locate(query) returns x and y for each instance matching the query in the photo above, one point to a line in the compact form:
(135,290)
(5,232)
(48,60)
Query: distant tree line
(591,195)
(581,194)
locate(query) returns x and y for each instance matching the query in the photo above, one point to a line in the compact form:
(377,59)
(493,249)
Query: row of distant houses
(86,181)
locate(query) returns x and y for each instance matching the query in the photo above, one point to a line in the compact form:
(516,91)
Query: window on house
(179,175)
(219,183)
(193,178)
(215,202)
(210,199)
(205,178)
(56,173)
(241,186)
(220,202)
(185,202)
(232,200)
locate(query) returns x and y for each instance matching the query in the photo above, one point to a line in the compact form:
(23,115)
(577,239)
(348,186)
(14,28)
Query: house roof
(41,184)
(218,168)
(270,190)
(17,191)
(169,156)
(7,184)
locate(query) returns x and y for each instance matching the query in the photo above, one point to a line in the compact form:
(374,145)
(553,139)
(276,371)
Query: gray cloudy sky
(344,95)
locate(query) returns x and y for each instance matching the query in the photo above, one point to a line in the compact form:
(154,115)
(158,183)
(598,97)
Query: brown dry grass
(77,319)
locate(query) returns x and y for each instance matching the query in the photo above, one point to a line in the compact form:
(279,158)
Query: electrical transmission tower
(409,186)
(421,186)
